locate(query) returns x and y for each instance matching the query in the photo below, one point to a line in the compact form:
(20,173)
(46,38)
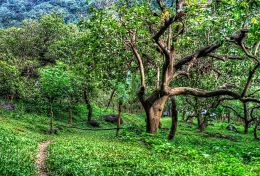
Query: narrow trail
(40,162)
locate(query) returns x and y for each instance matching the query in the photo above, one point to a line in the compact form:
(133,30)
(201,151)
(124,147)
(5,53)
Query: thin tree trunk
(110,99)
(200,122)
(174,120)
(198,114)
(89,107)
(246,127)
(119,117)
(158,78)
(206,120)
(70,116)
(51,120)
(228,116)
(246,121)
(255,131)
(183,116)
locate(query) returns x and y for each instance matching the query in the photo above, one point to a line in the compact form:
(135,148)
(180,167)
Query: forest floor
(24,140)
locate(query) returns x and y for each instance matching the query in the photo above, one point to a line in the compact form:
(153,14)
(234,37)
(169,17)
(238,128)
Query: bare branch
(252,94)
(201,92)
(252,112)
(200,53)
(225,57)
(161,5)
(140,63)
(163,28)
(181,73)
(256,48)
(250,77)
(233,109)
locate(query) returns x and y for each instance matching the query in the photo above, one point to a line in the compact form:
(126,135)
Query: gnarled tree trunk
(154,113)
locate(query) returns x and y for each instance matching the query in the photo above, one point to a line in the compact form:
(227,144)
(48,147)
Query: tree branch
(250,77)
(225,57)
(201,92)
(229,107)
(200,53)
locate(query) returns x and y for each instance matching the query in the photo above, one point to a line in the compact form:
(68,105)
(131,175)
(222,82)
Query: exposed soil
(40,162)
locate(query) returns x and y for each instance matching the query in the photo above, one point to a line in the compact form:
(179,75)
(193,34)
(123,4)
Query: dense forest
(13,12)
(129,87)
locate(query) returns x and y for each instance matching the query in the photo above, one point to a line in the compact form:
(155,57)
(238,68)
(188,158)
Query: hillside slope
(88,152)
(13,12)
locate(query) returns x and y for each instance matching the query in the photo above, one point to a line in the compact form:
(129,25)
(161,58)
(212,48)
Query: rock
(94,123)
(223,136)
(9,106)
(231,127)
(112,118)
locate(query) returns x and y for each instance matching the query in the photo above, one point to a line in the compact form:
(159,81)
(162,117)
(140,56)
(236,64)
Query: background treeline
(13,12)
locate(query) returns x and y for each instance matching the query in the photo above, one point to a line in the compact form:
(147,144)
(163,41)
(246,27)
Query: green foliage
(55,82)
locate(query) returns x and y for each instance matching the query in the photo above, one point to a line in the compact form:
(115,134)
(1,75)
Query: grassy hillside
(86,152)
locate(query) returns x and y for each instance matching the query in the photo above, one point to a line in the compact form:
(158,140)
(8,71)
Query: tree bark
(70,116)
(201,125)
(89,107)
(183,115)
(119,117)
(174,120)
(154,113)
(246,127)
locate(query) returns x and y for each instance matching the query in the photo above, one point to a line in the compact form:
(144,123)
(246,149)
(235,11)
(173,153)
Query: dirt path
(40,162)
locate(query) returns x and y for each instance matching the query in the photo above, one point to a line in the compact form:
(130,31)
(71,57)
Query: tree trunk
(154,114)
(246,121)
(119,117)
(89,107)
(255,131)
(174,120)
(183,116)
(200,123)
(70,116)
(51,120)
(110,99)
(246,127)
(206,120)
(228,116)
(199,116)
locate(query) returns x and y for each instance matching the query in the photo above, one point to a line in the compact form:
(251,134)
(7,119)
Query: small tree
(122,95)
(55,84)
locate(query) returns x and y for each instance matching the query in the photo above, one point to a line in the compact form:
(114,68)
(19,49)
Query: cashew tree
(168,32)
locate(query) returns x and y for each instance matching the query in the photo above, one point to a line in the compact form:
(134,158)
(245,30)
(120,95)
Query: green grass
(18,144)
(90,153)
